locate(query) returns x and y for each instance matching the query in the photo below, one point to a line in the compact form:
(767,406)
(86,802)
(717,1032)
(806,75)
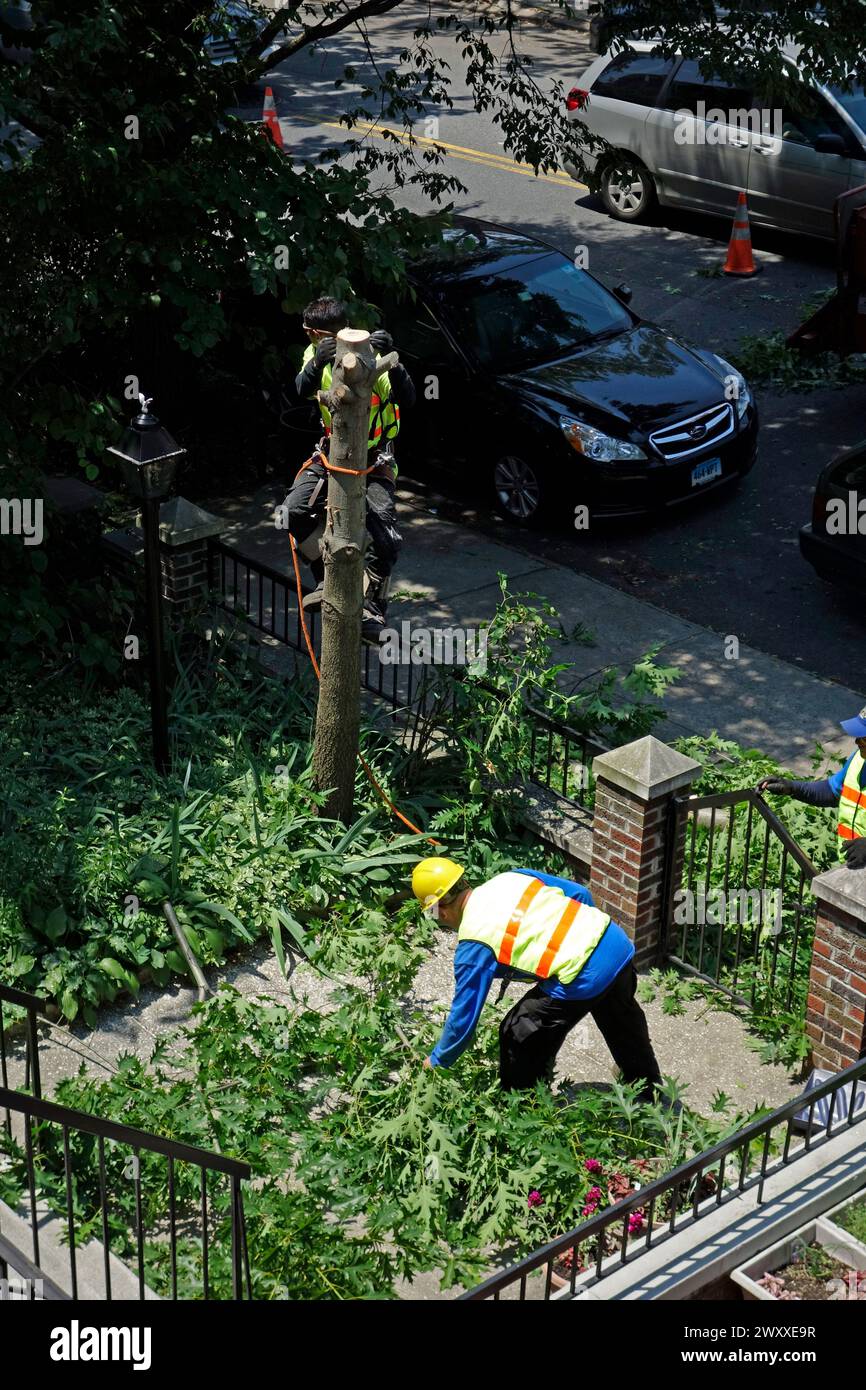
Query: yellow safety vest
(384,413)
(533,926)
(852,803)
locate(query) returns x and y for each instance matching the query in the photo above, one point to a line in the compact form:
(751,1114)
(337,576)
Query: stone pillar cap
(181,521)
(648,768)
(843,888)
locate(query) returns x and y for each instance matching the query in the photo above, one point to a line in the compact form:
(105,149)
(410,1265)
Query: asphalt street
(730,562)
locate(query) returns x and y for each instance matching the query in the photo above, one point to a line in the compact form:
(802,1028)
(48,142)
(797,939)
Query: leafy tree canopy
(145,208)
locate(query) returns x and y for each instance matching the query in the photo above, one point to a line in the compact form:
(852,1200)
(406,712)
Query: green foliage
(95,841)
(490,732)
(367,1167)
(853,1220)
(767,360)
(675,991)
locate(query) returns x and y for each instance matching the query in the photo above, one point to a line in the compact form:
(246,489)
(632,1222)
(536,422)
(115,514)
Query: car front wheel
(520,489)
(627,189)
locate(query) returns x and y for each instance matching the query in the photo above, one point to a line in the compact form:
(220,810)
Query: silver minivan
(697,142)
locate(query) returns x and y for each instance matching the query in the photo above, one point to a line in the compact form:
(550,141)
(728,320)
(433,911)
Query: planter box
(839,1243)
(839,1231)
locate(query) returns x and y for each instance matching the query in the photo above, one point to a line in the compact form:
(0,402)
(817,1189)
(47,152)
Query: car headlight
(736,386)
(594,444)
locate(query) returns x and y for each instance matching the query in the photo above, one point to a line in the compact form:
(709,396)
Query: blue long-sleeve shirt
(476,967)
(828,790)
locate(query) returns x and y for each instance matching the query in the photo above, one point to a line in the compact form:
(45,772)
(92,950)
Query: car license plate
(706,471)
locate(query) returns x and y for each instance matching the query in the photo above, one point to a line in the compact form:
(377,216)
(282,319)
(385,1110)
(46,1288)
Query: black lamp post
(148,459)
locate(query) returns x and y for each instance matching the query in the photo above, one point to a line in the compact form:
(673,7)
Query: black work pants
(532,1033)
(306,505)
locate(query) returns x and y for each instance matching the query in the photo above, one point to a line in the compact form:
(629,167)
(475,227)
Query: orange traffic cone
(271,120)
(740,259)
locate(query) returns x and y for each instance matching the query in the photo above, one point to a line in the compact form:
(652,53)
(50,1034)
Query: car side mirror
(623,293)
(830,144)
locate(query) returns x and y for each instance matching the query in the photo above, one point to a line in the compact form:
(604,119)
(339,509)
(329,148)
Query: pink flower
(534,1199)
(593,1197)
(592,1165)
(635,1223)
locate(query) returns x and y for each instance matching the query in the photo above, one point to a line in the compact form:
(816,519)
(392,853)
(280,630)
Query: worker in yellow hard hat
(533,926)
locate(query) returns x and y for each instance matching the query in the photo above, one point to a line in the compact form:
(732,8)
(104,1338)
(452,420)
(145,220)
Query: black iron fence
(738,912)
(33,1009)
(741,1163)
(428,695)
(267,600)
(561,757)
(172,1213)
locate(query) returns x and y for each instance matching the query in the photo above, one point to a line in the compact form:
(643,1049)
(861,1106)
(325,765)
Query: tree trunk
(335,751)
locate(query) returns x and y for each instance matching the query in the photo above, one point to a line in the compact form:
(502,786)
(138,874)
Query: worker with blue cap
(846,788)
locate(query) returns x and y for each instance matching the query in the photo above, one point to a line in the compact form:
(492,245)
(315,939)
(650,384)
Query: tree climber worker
(532,926)
(305,504)
(845,789)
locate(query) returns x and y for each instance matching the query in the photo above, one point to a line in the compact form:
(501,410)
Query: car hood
(640,380)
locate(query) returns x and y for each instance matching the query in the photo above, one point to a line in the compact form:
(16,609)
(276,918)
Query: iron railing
(603,1244)
(267,600)
(34,1009)
(560,757)
(738,913)
(69,1157)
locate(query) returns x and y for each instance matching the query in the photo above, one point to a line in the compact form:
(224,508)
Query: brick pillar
(836,1010)
(634,787)
(184,530)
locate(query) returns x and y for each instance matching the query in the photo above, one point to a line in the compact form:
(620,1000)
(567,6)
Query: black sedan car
(835,542)
(539,382)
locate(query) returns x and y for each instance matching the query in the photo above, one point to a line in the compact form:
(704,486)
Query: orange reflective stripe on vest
(517,917)
(852,802)
(557,938)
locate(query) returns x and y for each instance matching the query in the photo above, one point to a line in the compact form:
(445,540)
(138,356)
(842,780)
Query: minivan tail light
(577,99)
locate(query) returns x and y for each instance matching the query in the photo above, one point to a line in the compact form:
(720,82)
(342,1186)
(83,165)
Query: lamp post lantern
(148,459)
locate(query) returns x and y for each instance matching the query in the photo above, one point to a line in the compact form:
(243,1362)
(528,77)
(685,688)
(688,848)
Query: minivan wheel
(520,489)
(627,189)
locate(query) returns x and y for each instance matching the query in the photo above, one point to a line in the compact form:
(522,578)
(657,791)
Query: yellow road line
(464,152)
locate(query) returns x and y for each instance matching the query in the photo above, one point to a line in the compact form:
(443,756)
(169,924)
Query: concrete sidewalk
(447,577)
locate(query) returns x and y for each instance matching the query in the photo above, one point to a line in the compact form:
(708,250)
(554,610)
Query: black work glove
(774,784)
(326,352)
(381,342)
(855,853)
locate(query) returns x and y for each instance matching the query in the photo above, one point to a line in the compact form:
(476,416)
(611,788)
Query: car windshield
(854,102)
(532,313)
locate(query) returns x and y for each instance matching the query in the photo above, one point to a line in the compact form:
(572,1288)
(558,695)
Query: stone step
(54,1257)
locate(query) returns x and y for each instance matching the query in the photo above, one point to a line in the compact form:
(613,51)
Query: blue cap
(856,727)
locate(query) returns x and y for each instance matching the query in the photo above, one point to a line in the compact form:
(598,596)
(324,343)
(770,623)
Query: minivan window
(803,127)
(637,77)
(690,86)
(532,313)
(852,101)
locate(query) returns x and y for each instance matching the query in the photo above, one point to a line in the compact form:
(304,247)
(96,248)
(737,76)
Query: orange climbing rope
(358,472)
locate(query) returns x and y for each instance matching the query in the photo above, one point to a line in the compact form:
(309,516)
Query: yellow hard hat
(432,878)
